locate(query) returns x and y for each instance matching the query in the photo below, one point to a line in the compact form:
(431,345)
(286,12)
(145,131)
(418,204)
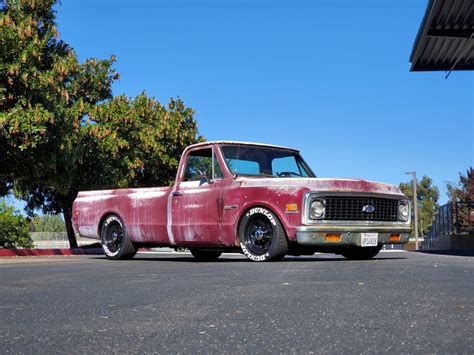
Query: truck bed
(144,211)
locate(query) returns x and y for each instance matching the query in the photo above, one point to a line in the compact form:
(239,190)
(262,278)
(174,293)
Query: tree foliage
(62,131)
(44,90)
(49,223)
(427,197)
(463,191)
(14,228)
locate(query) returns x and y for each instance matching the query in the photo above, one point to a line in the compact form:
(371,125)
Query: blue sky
(328,77)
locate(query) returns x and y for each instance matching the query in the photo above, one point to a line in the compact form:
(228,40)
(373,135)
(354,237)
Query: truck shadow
(243,259)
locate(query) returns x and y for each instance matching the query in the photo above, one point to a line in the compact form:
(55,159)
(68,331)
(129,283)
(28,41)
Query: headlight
(317,209)
(403,211)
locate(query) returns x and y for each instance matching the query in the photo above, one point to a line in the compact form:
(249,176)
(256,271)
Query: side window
(196,165)
(200,162)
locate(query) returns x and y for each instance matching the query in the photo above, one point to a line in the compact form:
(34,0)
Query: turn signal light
(332,237)
(291,207)
(394,238)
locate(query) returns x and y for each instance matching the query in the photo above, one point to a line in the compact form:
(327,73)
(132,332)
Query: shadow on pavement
(224,259)
(450,252)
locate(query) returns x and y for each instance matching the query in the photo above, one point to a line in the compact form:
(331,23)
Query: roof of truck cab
(240,143)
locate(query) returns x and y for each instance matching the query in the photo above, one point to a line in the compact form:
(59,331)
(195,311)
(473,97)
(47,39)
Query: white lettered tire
(114,239)
(262,237)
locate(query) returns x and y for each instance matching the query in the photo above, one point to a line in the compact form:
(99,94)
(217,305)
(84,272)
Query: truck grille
(351,208)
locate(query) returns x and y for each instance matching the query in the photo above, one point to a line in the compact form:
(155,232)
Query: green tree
(463,191)
(44,92)
(61,130)
(47,223)
(14,228)
(427,196)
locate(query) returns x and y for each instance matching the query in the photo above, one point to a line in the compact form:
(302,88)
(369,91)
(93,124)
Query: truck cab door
(196,202)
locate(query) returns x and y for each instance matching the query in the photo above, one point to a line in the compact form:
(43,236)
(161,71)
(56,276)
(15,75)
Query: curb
(49,252)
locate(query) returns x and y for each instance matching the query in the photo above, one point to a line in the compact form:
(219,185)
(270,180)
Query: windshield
(265,161)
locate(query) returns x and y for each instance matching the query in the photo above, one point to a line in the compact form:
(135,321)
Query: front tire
(205,255)
(360,253)
(262,237)
(115,241)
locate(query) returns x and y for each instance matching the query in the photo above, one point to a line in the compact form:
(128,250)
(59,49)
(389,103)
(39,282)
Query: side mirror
(203,175)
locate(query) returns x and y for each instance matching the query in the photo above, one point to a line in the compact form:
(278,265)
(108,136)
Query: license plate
(369,239)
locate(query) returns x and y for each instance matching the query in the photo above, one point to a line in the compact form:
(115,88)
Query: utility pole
(415,206)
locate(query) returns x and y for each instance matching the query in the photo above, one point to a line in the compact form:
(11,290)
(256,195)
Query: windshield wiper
(288,174)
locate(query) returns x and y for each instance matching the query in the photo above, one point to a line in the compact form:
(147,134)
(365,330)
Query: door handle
(177,193)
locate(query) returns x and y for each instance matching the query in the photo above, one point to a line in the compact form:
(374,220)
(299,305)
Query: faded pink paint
(201,216)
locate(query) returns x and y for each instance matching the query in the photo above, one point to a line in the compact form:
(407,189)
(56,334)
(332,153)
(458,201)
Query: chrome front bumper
(316,235)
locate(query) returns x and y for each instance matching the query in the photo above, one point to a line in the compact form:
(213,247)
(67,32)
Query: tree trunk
(67,213)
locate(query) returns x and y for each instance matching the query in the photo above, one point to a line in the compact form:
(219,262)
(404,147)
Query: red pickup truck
(261,200)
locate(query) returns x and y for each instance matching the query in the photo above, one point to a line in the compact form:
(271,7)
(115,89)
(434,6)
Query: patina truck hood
(323,184)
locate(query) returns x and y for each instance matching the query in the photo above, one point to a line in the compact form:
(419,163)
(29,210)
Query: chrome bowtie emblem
(368,208)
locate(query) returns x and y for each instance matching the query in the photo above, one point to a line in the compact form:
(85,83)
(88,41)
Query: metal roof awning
(445,38)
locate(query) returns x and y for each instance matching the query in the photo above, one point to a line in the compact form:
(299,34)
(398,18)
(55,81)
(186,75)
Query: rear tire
(205,255)
(262,237)
(360,253)
(115,241)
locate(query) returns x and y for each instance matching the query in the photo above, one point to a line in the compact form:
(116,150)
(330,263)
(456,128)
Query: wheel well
(262,206)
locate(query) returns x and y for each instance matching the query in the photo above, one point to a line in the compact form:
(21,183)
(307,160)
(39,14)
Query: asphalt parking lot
(401,302)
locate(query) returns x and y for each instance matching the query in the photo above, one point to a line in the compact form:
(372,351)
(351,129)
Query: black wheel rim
(113,237)
(258,235)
